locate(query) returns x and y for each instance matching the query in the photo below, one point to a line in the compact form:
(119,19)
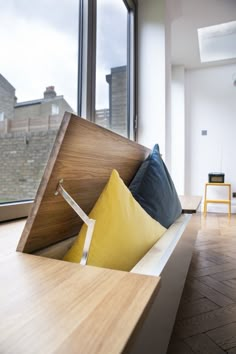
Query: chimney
(50,92)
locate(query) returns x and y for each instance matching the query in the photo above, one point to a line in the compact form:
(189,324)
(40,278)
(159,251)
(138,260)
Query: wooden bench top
(49,306)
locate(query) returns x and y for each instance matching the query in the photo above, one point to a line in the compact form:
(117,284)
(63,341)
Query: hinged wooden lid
(83,155)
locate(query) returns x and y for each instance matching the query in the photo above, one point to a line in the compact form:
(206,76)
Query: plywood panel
(83,156)
(51,306)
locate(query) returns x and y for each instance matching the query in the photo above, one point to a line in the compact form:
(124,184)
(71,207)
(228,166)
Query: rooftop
(38,101)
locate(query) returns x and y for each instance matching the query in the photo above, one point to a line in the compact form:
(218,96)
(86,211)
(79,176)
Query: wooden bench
(48,305)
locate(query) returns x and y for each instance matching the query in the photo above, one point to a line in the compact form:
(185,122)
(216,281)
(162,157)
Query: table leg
(230,201)
(205,203)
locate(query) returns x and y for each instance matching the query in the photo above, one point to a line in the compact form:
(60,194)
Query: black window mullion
(131,72)
(80,57)
(86,103)
(91,59)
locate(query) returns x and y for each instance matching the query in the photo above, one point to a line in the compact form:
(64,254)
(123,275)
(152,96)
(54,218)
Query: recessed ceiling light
(217,42)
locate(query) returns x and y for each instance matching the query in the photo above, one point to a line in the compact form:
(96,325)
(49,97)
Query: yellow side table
(221,201)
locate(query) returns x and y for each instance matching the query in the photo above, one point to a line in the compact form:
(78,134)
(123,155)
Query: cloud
(111,33)
(39,43)
(36,54)
(111,44)
(61,15)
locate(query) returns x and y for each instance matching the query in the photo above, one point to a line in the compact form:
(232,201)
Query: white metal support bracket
(89,222)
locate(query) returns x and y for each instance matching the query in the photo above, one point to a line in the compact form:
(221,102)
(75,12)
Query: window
(111,65)
(42,37)
(107,64)
(217,42)
(97,76)
(55,109)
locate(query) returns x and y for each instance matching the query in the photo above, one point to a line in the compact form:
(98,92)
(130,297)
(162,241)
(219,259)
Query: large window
(38,83)
(107,64)
(59,56)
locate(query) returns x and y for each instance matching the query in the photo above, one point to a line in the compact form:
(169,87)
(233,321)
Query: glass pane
(38,83)
(111,66)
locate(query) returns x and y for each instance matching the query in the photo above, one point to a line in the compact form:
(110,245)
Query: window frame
(15,210)
(86,82)
(55,109)
(87,63)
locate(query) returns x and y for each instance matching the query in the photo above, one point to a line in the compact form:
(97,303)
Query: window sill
(15,210)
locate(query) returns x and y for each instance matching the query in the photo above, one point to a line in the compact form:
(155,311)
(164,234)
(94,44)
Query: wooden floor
(206,320)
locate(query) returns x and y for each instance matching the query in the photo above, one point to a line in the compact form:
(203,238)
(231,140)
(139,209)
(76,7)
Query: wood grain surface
(206,320)
(193,308)
(83,155)
(50,306)
(201,343)
(225,336)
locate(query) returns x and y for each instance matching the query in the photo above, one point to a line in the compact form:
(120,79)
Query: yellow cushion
(123,231)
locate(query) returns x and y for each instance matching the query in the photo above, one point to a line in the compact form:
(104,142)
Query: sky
(111,44)
(39,46)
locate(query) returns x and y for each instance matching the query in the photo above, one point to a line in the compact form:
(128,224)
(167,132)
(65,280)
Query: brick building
(27,133)
(49,105)
(7,99)
(117,81)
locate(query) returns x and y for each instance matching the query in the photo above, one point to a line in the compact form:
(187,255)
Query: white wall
(151,73)
(168,72)
(177,131)
(210,105)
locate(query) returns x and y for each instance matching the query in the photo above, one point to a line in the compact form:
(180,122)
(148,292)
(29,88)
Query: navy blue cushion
(154,190)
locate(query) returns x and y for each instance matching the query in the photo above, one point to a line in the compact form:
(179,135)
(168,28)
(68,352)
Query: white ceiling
(189,15)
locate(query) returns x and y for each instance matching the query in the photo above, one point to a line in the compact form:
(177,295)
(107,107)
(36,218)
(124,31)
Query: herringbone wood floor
(206,319)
